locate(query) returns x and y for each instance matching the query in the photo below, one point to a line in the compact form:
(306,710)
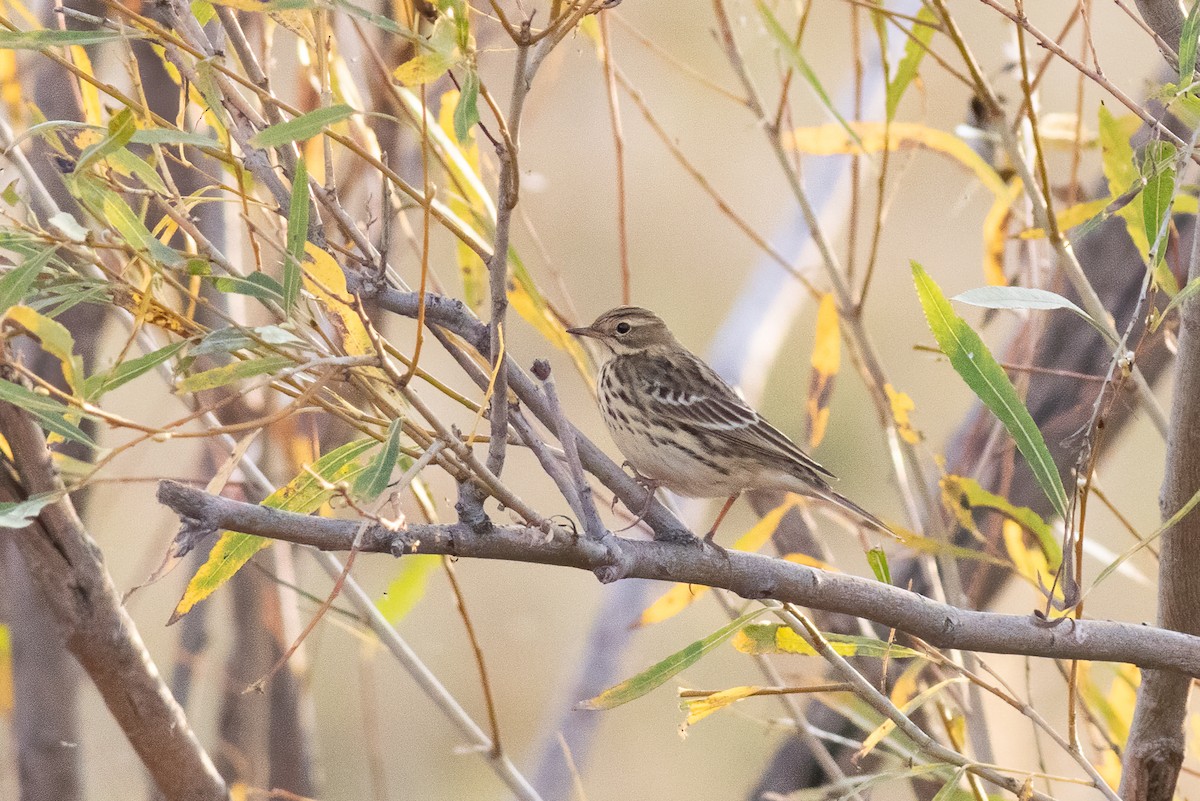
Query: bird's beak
(587,331)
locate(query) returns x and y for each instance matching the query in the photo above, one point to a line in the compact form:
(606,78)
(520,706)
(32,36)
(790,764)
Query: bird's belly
(679,463)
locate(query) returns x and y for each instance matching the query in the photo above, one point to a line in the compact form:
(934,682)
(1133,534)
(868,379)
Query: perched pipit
(681,426)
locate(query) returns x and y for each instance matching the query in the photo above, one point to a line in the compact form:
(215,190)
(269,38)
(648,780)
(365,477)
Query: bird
(681,426)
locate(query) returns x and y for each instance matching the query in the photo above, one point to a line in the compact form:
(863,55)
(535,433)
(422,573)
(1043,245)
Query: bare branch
(749,575)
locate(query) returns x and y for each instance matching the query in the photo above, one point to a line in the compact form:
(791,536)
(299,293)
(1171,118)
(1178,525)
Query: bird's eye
(623,328)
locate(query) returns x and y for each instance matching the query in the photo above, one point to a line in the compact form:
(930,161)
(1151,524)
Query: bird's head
(627,330)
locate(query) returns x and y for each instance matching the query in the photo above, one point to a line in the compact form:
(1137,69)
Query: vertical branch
(497,264)
(614,116)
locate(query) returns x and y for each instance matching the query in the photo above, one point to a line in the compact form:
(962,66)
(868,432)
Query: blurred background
(692,265)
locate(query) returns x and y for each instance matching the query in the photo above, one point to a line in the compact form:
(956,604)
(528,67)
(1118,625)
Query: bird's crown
(628,329)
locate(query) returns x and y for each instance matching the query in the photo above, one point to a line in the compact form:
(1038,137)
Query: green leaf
(466,113)
(20,514)
(877,559)
(792,54)
(256,285)
(232,338)
(1023,297)
(43,39)
(220,376)
(203,11)
(51,415)
(101,383)
(120,130)
(166,136)
(973,361)
(304,494)
(297,235)
(16,283)
(1159,175)
(306,126)
(657,674)
(408,587)
(914,50)
(1187,45)
(776,638)
(374,479)
(110,208)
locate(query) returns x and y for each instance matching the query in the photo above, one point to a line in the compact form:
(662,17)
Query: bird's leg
(712,532)
(651,486)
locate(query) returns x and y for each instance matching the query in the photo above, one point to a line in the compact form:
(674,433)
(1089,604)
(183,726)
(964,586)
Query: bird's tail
(827,493)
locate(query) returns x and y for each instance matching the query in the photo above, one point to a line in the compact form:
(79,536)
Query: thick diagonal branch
(67,566)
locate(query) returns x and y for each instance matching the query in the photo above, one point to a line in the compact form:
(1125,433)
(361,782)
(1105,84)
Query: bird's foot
(651,486)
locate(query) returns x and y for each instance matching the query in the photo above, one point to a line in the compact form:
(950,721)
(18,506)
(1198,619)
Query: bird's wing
(713,407)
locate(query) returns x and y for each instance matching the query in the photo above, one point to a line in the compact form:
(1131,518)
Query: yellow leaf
(902,405)
(681,596)
(826,360)
(6,672)
(467,204)
(1079,214)
(832,140)
(529,303)
(700,708)
(809,561)
(11,91)
(995,235)
(325,279)
(905,687)
(56,340)
(93,111)
(1030,563)
(874,738)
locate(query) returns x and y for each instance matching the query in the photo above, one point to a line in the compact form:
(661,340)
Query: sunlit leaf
(683,595)
(776,638)
(826,361)
(408,587)
(995,234)
(304,494)
(305,126)
(234,371)
(55,340)
(973,361)
(656,675)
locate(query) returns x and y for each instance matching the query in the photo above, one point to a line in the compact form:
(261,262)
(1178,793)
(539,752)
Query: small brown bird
(681,426)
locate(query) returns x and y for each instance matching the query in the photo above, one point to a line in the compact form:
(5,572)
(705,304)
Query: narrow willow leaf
(656,675)
(1187,45)
(220,376)
(408,587)
(466,113)
(435,56)
(1023,297)
(110,208)
(792,55)
(256,285)
(888,726)
(1183,512)
(297,235)
(374,479)
(877,559)
(20,514)
(304,494)
(973,361)
(51,415)
(306,126)
(43,39)
(960,491)
(166,136)
(914,50)
(1157,197)
(99,384)
(776,638)
(700,708)
(16,283)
